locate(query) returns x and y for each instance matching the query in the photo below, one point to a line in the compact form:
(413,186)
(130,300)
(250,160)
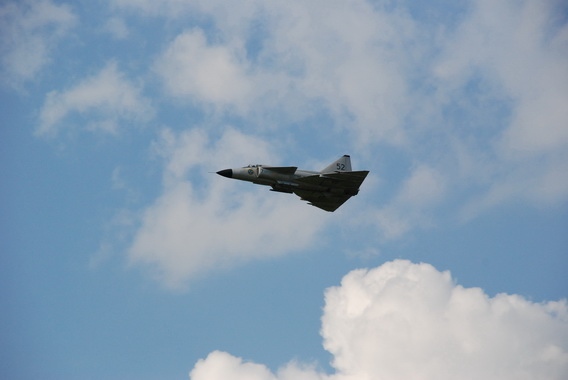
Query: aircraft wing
(341,180)
(330,201)
(321,200)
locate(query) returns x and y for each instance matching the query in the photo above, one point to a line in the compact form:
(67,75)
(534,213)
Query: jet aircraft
(327,189)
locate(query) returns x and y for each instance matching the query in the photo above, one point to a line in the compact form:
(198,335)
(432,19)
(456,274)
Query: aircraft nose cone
(226,173)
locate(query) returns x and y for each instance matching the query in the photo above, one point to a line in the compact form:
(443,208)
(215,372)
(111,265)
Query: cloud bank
(411,321)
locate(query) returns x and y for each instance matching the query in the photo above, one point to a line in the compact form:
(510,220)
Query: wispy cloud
(29,30)
(404,320)
(107,98)
(518,52)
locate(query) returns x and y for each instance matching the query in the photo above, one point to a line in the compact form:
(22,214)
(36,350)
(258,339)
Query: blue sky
(124,257)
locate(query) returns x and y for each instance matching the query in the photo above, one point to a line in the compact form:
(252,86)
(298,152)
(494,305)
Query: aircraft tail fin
(343,164)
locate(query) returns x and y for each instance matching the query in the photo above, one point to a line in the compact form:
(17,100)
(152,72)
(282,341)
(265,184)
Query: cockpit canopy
(252,166)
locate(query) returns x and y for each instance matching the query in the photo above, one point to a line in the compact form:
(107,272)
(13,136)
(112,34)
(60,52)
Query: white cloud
(404,320)
(29,30)
(212,74)
(522,48)
(202,222)
(411,321)
(346,61)
(220,366)
(104,100)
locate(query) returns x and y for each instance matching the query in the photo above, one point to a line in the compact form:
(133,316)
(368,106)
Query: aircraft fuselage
(280,182)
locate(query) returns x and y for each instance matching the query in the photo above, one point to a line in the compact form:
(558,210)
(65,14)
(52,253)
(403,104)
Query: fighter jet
(327,189)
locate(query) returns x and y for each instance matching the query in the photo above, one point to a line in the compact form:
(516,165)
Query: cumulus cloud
(29,30)
(106,98)
(411,321)
(220,365)
(202,223)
